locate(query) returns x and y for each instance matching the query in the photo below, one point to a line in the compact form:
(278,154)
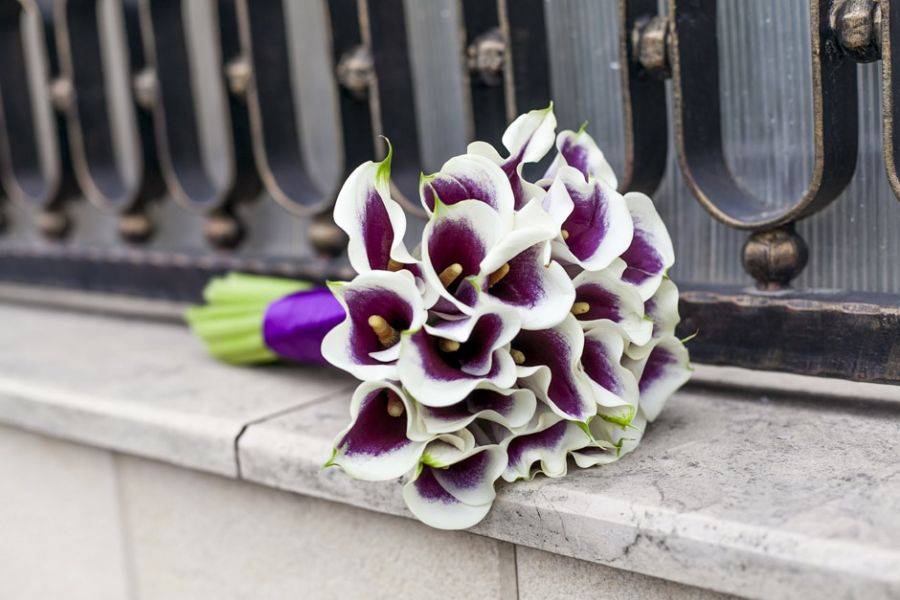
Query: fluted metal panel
(765,80)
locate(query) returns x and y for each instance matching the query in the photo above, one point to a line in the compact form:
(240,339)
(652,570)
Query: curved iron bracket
(698,137)
(90,119)
(275,125)
(165,88)
(34,167)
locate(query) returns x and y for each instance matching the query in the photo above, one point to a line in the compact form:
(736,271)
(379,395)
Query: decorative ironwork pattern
(68,115)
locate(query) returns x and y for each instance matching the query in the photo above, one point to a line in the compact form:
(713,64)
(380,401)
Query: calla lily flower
(602,297)
(550,365)
(533,321)
(469,177)
(374,222)
(615,385)
(456,491)
(519,273)
(665,369)
(455,241)
(651,253)
(527,139)
(441,364)
(547,440)
(599,227)
(662,312)
(469,256)
(378,444)
(380,306)
(577,149)
(512,408)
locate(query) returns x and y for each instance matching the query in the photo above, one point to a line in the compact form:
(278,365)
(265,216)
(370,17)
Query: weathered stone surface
(202,536)
(139,387)
(546,576)
(59,521)
(739,493)
(763,498)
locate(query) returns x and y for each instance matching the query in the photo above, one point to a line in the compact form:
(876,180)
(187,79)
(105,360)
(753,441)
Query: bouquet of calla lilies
(534,323)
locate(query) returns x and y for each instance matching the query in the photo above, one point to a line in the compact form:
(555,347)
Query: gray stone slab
(59,518)
(195,535)
(143,388)
(743,495)
(546,576)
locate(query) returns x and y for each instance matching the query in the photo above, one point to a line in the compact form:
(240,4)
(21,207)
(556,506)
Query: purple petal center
(523,284)
(429,488)
(549,347)
(454,241)
(598,366)
(655,369)
(468,473)
(364,303)
(456,188)
(473,358)
(575,155)
(378,233)
(589,222)
(375,431)
(603,303)
(642,259)
(547,439)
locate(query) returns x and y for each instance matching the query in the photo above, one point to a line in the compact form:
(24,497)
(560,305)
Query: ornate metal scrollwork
(166,88)
(698,137)
(34,161)
(82,94)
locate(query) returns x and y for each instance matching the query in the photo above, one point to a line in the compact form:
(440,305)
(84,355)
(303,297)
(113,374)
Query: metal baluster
(165,89)
(643,51)
(774,254)
(391,95)
(869,30)
(90,121)
(506,63)
(34,167)
(276,126)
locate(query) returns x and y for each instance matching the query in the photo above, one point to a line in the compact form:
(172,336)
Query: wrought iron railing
(132,136)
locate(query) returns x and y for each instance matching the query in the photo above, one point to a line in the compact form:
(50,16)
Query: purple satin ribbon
(294,326)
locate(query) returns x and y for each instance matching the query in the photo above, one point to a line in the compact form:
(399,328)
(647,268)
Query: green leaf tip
(690,337)
(383,172)
(330,462)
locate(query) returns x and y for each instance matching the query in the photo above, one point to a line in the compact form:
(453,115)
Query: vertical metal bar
(168,92)
(35,170)
(90,127)
(643,97)
(275,124)
(392,98)
(528,64)
(485,69)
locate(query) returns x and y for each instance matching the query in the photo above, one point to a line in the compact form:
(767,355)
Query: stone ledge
(730,492)
(140,388)
(743,496)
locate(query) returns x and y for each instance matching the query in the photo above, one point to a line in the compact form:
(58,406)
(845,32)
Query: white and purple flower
(535,322)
